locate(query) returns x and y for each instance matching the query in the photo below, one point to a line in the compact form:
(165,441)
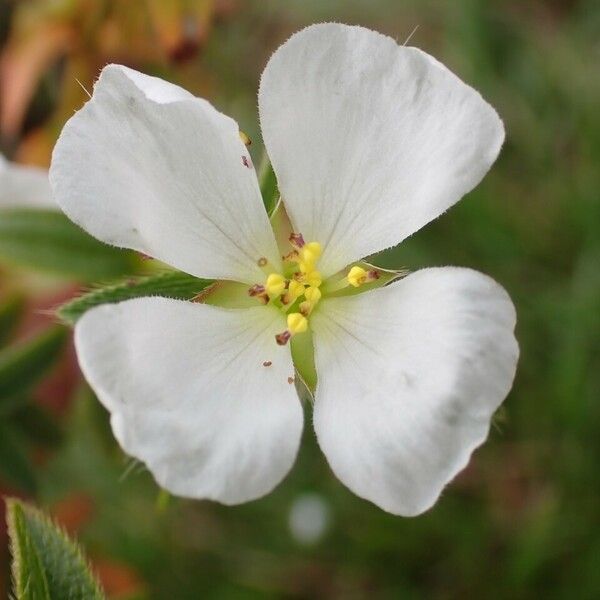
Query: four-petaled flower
(369,142)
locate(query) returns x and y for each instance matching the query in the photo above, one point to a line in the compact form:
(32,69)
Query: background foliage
(523,520)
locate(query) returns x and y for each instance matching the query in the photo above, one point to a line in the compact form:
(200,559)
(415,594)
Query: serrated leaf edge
(13,505)
(14,511)
(92,293)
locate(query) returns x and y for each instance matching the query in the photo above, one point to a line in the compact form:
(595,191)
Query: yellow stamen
(275,285)
(304,267)
(294,291)
(297,323)
(298,287)
(313,278)
(312,295)
(356,276)
(310,253)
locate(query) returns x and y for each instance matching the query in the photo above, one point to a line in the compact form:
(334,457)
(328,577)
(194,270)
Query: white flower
(24,187)
(369,141)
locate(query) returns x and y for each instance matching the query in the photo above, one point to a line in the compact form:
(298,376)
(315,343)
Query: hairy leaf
(47,565)
(172,284)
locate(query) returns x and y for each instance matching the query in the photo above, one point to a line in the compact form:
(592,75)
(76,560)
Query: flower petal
(190,395)
(369,140)
(24,186)
(409,378)
(145,165)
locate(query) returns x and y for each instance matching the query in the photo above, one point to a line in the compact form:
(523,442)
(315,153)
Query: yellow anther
(315,248)
(305,267)
(356,276)
(275,285)
(313,278)
(312,295)
(300,293)
(297,323)
(295,290)
(310,253)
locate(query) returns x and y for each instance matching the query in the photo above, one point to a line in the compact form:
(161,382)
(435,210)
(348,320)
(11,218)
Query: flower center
(295,291)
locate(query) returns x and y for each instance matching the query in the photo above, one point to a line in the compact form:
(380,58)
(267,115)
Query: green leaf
(47,565)
(268,184)
(10,314)
(46,240)
(22,365)
(37,425)
(171,284)
(15,465)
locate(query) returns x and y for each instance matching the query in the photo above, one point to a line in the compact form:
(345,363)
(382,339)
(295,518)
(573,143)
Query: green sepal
(170,284)
(336,286)
(228,294)
(282,228)
(22,365)
(46,565)
(48,241)
(163,499)
(268,184)
(303,356)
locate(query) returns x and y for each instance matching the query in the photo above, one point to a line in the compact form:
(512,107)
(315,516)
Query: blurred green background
(523,521)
